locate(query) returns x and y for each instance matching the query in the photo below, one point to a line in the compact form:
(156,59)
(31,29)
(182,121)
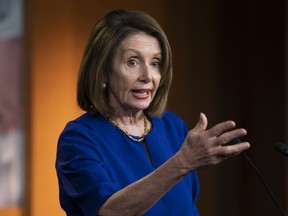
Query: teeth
(141,93)
(144,93)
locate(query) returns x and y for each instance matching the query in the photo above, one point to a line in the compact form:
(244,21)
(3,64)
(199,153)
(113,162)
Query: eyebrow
(137,51)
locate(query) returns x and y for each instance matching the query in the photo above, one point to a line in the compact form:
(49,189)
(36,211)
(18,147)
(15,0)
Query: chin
(142,106)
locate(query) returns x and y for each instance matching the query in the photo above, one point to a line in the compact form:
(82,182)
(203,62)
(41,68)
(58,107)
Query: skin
(202,147)
(134,80)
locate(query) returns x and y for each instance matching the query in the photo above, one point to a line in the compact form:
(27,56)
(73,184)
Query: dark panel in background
(229,62)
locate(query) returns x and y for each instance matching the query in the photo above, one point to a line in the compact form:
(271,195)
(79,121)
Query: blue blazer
(95,159)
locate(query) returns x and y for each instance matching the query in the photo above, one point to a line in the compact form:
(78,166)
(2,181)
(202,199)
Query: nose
(146,74)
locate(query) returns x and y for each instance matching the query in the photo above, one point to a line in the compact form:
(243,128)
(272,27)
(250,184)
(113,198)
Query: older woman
(127,155)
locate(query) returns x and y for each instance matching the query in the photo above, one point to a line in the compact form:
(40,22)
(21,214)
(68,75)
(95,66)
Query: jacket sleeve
(83,182)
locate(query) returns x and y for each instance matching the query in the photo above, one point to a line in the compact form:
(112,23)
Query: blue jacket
(95,159)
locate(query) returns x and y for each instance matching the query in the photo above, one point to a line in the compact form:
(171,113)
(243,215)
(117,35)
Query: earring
(104,85)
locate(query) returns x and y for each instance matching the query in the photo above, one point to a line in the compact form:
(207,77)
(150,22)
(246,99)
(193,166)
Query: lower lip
(140,96)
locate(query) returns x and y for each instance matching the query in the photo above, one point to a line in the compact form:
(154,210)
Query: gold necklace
(146,130)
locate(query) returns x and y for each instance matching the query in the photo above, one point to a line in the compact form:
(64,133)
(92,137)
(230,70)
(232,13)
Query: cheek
(157,80)
(120,85)
(115,78)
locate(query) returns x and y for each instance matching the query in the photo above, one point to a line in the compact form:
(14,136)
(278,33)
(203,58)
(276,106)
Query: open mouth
(140,93)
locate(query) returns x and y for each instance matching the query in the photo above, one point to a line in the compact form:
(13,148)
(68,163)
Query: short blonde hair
(99,53)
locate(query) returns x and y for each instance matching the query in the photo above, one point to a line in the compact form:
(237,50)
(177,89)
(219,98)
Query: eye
(156,63)
(132,62)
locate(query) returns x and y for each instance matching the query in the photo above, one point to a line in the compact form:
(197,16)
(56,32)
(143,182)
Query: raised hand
(203,147)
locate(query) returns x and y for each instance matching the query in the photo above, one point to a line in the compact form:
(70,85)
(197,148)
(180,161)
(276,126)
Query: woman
(126,155)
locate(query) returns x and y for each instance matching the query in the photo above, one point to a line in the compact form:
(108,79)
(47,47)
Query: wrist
(182,164)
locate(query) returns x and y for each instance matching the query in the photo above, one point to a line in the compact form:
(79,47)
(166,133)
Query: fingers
(223,132)
(223,150)
(232,150)
(202,124)
(220,128)
(204,147)
(216,138)
(220,134)
(226,137)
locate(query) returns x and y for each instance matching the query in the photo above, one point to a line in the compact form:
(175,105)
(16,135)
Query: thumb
(202,123)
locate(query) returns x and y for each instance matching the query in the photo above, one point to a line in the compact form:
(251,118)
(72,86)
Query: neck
(126,119)
(137,125)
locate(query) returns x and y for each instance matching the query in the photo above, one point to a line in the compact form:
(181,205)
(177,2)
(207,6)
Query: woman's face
(135,74)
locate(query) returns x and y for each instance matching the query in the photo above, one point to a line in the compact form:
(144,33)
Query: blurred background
(229,62)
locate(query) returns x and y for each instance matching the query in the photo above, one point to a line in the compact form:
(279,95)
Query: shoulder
(171,122)
(170,118)
(80,135)
(86,121)
(84,126)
